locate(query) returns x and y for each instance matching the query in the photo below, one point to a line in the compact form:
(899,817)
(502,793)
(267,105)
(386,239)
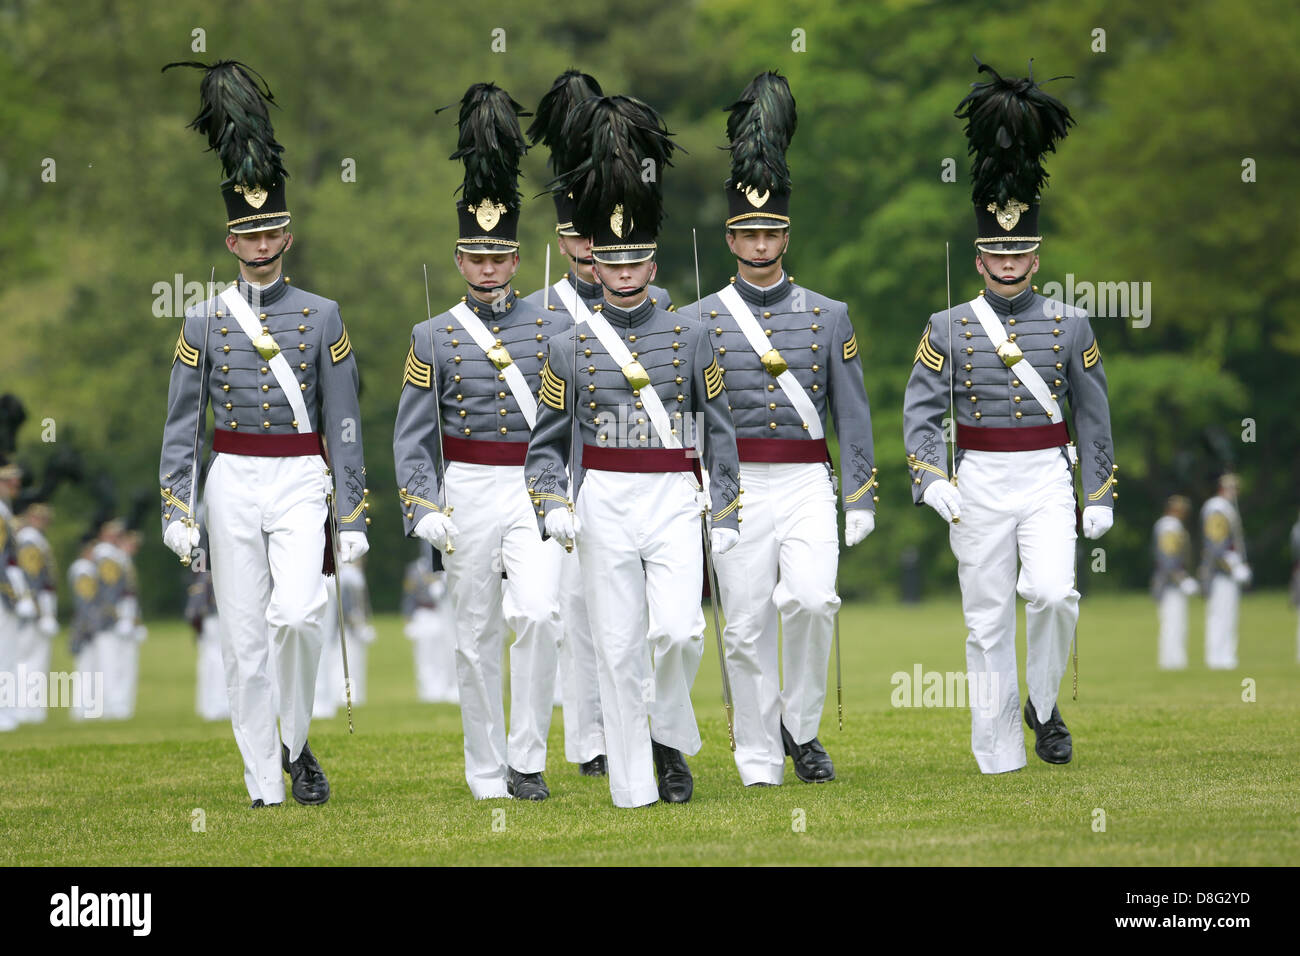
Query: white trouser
(497,528)
(8,663)
(33,658)
(266,524)
(329,673)
(584,728)
(119,659)
(1172,611)
(1221,623)
(210,699)
(782,571)
(91,705)
(641,549)
(1014,502)
(433,635)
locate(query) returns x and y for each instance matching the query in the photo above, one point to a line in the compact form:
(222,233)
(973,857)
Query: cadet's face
(578,247)
(624,277)
(480,268)
(1007,266)
(257,248)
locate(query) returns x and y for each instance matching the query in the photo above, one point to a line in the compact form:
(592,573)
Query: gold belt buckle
(773,362)
(1010,353)
(266,346)
(636,375)
(500,357)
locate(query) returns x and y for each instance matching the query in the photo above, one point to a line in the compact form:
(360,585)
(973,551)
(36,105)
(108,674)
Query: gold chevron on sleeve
(1106,486)
(851,347)
(713,380)
(340,349)
(552,391)
(1091,355)
(408,499)
(172,501)
(185,352)
(851,499)
(356,513)
(926,354)
(417,373)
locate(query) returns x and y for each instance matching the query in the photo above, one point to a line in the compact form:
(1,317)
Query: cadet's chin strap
(615,292)
(764,263)
(1001,281)
(258,263)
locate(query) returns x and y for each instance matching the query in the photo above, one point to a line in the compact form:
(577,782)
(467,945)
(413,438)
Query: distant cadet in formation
(430,624)
(87,610)
(1295,580)
(119,631)
(38,614)
(1224,572)
(469,399)
(639,389)
(1008,358)
(277,365)
(1173,581)
(210,699)
(13,585)
(789,358)
(358,631)
(575,294)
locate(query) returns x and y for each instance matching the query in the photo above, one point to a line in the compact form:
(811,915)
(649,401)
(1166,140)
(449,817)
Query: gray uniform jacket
(683,370)
(245,396)
(476,402)
(115,584)
(9,595)
(1221,535)
(1056,339)
(817,341)
(36,562)
(86,612)
(1171,547)
(200,601)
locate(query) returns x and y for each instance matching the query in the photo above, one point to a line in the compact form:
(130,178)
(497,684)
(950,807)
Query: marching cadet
(1009,357)
(789,358)
(575,294)
(430,624)
(632,382)
(13,586)
(1172,583)
(116,653)
(1224,572)
(277,365)
(36,629)
(210,700)
(469,399)
(83,581)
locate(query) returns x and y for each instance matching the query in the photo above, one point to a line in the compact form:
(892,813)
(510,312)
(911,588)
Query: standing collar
(628,318)
(764,297)
(269,295)
(1017,304)
(488,309)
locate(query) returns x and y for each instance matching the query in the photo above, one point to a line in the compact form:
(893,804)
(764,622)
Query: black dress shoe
(1054,744)
(811,762)
(595,767)
(309,784)
(675,782)
(526,786)
(760,783)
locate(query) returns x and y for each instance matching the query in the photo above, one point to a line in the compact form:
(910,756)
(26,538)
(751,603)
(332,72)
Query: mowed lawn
(1176,767)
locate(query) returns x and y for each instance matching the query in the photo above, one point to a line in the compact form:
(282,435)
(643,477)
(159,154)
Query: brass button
(456,359)
(1058,366)
(229,406)
(466,431)
(234,425)
(539,336)
(722,350)
(816,388)
(1016,399)
(767,315)
(224,330)
(816,367)
(964,320)
(681,398)
(969,350)
(979,415)
(1012,337)
(1015,383)
(718,330)
(678,380)
(261,315)
(968,334)
(632,337)
(1011,321)
(501,394)
(503,412)
(639,405)
(302,346)
(266,406)
(1056,347)
(582,337)
(967,366)
(586,353)
(302,328)
(1056,331)
(456,378)
(967,383)
(591,388)
(267,388)
(540,355)
(226,349)
(771,425)
(1056,382)
(264,370)
(815,326)
(225,368)
(974,398)
(266,424)
(771,406)
(225,388)
(1019,415)
(303,366)
(539,322)
(676,346)
(503,429)
(303,386)
(455,342)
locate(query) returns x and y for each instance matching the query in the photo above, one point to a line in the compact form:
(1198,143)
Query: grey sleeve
(719,439)
(417,433)
(925,404)
(1217,541)
(1090,409)
(1170,556)
(549,447)
(187,407)
(340,422)
(851,414)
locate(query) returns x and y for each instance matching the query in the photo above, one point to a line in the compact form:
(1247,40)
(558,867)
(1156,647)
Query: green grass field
(1185,771)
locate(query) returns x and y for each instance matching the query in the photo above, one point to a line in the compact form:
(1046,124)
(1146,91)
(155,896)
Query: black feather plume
(234,118)
(569,89)
(12,415)
(1011,124)
(760,127)
(616,135)
(491,145)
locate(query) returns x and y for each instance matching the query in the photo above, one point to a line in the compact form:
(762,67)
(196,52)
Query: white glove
(25,608)
(181,539)
(1097,520)
(437,529)
(352,545)
(1241,573)
(857,525)
(944,498)
(562,525)
(722,540)
(49,626)
(1189,586)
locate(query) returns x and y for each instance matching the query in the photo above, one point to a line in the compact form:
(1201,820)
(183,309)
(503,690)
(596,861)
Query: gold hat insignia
(488,214)
(622,226)
(755,199)
(1009,213)
(254,196)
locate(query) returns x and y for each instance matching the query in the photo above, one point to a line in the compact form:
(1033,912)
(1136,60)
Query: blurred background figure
(1224,572)
(83,580)
(12,587)
(1295,580)
(431,627)
(211,701)
(1173,583)
(38,621)
(359,634)
(117,641)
